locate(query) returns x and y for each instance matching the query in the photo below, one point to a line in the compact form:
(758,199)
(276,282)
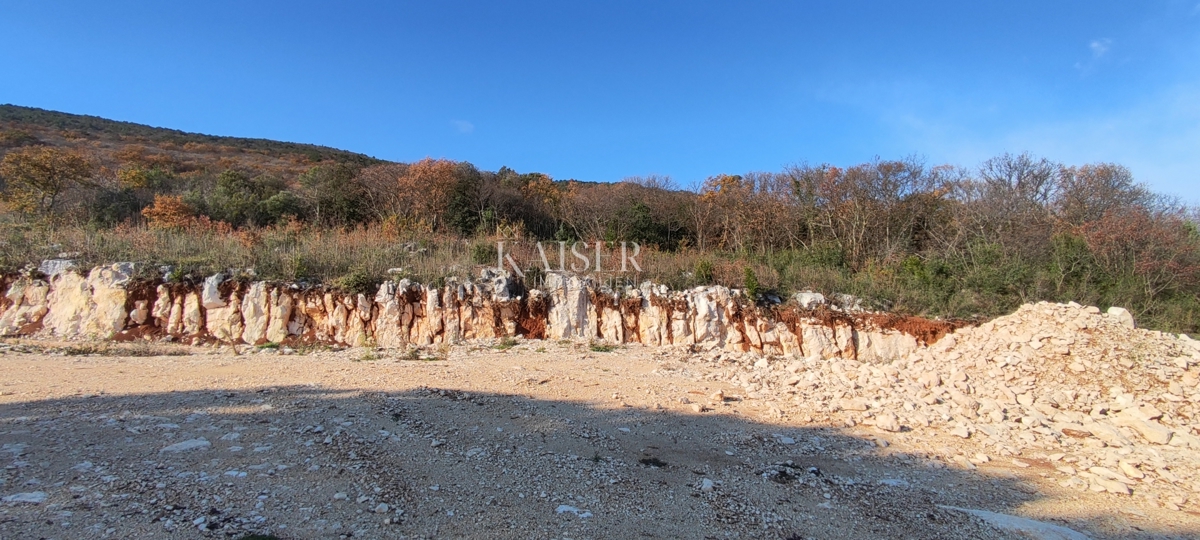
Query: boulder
(1122,316)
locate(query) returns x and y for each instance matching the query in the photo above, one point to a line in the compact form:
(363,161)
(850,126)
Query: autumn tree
(169,212)
(1088,192)
(425,191)
(35,177)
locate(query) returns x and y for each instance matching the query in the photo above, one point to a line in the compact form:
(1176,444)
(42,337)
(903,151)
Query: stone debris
(1125,418)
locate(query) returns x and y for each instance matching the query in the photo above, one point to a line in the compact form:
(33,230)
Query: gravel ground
(542,440)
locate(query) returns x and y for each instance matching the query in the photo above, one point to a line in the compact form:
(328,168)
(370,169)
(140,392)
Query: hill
(64,128)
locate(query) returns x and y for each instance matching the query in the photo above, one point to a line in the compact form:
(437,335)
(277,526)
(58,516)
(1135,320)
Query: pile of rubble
(1101,404)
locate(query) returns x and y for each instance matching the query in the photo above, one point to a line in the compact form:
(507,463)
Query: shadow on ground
(306,462)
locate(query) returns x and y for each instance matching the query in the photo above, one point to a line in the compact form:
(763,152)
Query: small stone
(1112,486)
(339,496)
(32,497)
(698,408)
(190,444)
(961,431)
(855,404)
(381,508)
(706,485)
(887,421)
(1130,470)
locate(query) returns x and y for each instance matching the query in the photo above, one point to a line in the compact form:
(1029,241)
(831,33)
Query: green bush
(357,281)
(704,272)
(484,254)
(750,283)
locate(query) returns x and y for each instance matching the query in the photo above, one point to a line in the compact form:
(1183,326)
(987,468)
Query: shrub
(357,281)
(750,283)
(704,271)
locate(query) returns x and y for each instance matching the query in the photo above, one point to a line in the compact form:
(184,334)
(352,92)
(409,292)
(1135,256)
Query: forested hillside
(935,240)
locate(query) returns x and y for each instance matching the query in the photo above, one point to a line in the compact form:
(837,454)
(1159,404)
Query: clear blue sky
(605,90)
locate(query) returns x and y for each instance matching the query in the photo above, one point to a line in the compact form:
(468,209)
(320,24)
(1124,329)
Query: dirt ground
(542,440)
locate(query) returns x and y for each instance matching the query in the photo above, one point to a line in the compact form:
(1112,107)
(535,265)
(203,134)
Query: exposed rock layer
(109,304)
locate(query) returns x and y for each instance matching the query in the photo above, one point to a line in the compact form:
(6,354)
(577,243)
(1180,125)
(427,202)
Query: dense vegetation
(941,241)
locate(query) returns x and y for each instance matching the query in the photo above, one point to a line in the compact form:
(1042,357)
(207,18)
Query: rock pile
(1103,405)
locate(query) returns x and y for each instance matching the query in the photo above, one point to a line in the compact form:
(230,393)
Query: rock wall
(110,304)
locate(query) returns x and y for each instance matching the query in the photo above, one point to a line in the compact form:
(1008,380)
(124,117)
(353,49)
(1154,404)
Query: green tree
(34,177)
(335,194)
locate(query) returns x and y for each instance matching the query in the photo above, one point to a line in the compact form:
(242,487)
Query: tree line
(1015,228)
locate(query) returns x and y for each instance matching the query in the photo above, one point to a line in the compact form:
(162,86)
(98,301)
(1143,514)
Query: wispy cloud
(463,126)
(1099,48)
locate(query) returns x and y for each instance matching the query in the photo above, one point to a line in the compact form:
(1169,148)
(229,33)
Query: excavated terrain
(1056,413)
(229,408)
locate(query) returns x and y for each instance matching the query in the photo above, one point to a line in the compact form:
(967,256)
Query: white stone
(210,295)
(32,497)
(188,445)
(1122,316)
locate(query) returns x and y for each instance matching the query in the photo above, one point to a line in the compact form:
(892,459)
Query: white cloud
(1099,48)
(463,126)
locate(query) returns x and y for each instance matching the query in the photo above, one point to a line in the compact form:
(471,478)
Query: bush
(357,281)
(750,283)
(704,272)
(484,254)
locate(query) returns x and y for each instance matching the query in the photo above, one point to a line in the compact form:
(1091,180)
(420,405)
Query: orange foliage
(169,212)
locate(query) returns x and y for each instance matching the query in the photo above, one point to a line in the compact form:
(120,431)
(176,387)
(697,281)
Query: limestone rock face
(210,295)
(225,323)
(387,321)
(193,318)
(106,315)
(707,305)
(404,313)
(568,317)
(280,313)
(884,345)
(161,310)
(69,303)
(28,304)
(256,308)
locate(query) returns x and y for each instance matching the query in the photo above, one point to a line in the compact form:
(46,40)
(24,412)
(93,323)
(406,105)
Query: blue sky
(605,90)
